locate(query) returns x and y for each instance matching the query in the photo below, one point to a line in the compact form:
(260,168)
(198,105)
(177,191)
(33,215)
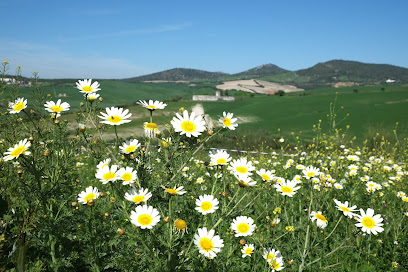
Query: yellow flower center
(274,264)
(151,107)
(310,174)
(16,152)
(320,217)
(138,198)
(151,126)
(127,177)
(144,219)
(56,108)
(87,89)
(115,119)
(344,209)
(109,176)
(188,126)
(227,122)
(180,225)
(368,222)
(171,191)
(287,189)
(206,244)
(205,206)
(89,197)
(270,256)
(19,106)
(248,251)
(221,161)
(130,148)
(241,169)
(265,177)
(243,228)
(405,199)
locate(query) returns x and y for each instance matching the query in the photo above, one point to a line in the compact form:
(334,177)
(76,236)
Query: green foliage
(45,227)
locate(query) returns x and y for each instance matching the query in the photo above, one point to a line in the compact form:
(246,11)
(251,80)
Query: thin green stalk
(303,257)
(192,155)
(170,233)
(223,216)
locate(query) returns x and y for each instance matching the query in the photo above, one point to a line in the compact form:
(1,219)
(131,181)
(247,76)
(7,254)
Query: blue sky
(120,39)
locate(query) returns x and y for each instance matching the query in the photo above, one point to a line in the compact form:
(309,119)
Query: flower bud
(90,202)
(166,219)
(120,231)
(242,242)
(81,127)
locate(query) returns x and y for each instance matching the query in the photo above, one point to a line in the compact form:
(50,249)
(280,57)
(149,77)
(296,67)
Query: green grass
(370,109)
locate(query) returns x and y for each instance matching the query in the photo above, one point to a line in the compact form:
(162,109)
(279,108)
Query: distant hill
(334,72)
(178,74)
(263,70)
(353,71)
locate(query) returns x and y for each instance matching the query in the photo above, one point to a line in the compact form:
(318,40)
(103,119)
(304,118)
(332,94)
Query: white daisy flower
(338,186)
(85,86)
(56,108)
(207,243)
(91,96)
(103,163)
(152,105)
(129,146)
(276,264)
(128,175)
(321,220)
(206,204)
(287,188)
(176,191)
(310,172)
(245,181)
(107,174)
(370,223)
(347,211)
(297,178)
(270,254)
(150,129)
(219,157)
(138,196)
(247,250)
(243,226)
(19,149)
(18,105)
(90,193)
(145,217)
(115,116)
(266,175)
(189,125)
(241,167)
(227,121)
(200,180)
(401,194)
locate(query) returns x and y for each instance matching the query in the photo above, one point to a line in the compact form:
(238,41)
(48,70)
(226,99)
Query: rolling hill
(178,74)
(263,70)
(321,74)
(343,71)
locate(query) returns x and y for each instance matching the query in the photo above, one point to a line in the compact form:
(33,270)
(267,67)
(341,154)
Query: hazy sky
(119,39)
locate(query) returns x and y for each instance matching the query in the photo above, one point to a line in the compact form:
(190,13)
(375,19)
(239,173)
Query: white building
(216,97)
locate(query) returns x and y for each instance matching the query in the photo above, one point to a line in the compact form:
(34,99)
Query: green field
(370,109)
